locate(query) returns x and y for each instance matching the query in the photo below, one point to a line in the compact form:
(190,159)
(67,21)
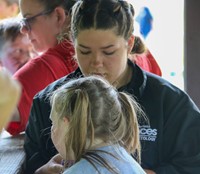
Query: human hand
(54,166)
(9,96)
(149,171)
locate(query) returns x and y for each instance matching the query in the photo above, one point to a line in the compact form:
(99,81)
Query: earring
(62,36)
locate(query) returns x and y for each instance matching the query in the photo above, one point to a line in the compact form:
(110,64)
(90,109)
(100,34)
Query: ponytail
(80,105)
(138,47)
(130,110)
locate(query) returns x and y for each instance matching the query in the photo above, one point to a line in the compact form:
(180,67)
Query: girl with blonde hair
(108,127)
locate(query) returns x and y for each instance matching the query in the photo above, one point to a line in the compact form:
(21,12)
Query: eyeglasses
(25,22)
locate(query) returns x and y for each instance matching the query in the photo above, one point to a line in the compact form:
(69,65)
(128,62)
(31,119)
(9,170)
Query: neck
(124,79)
(97,143)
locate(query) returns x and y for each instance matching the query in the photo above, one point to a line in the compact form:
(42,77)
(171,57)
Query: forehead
(19,40)
(22,40)
(3,2)
(30,7)
(91,37)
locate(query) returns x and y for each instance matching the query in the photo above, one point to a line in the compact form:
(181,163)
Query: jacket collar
(138,81)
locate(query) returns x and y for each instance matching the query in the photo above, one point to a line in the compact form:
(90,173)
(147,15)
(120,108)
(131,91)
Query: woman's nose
(97,60)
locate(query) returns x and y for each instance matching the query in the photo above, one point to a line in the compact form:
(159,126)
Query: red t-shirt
(37,74)
(147,62)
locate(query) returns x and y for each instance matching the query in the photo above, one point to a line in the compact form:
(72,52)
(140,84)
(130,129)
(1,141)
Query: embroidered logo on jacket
(147,133)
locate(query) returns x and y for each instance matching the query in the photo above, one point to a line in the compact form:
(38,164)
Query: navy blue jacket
(170,142)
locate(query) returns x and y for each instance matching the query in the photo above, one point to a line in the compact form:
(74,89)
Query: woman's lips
(99,74)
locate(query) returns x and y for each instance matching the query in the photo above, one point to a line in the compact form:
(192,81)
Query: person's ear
(130,43)
(60,16)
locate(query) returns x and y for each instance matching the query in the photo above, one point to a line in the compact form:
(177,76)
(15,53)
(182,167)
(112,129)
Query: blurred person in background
(45,24)
(15,48)
(9,96)
(8,8)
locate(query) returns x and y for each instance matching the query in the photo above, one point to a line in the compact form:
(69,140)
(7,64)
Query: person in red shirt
(46,25)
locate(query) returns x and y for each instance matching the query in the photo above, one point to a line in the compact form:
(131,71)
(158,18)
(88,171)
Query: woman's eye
(109,53)
(85,52)
(17,51)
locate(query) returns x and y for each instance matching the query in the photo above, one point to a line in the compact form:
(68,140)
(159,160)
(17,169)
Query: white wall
(166,38)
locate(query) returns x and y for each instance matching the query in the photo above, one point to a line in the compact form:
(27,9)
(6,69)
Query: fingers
(57,159)
(149,171)
(56,164)
(57,168)
(50,168)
